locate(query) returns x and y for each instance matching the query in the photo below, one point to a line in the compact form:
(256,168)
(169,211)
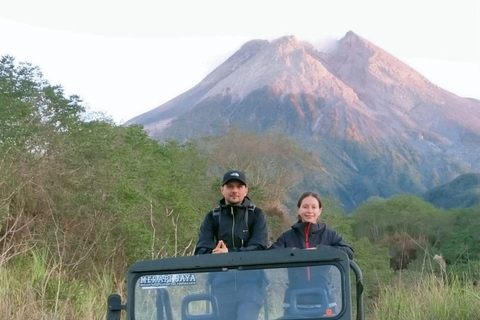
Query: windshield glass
(314,292)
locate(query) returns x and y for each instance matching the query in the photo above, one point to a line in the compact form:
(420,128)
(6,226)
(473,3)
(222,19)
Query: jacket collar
(314,227)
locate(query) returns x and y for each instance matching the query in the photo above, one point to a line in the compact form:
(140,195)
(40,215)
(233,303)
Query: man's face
(234,191)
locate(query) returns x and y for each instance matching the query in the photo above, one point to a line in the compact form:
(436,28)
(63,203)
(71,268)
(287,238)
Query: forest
(82,198)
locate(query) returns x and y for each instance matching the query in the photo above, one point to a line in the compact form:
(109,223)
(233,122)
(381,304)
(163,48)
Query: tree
(35,120)
(461,244)
(274,165)
(405,224)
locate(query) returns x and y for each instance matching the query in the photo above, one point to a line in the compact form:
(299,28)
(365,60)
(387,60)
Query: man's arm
(205,243)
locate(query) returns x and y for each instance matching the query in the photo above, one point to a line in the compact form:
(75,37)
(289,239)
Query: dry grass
(428,298)
(31,287)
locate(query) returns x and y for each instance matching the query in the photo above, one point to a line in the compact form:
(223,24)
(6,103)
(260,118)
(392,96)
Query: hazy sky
(128,57)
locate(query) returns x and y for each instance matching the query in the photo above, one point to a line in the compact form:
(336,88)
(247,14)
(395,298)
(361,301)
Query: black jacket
(246,236)
(305,235)
(318,235)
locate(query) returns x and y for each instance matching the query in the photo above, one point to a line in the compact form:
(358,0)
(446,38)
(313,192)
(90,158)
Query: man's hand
(220,248)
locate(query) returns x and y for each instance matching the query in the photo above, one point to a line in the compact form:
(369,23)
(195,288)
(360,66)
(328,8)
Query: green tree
(404,224)
(461,244)
(379,218)
(90,192)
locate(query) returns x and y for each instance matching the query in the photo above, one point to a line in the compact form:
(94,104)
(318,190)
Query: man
(235,225)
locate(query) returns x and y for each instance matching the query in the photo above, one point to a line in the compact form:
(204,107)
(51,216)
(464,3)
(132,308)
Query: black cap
(234,175)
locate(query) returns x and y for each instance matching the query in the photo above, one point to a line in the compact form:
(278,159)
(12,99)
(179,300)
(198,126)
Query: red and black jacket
(304,235)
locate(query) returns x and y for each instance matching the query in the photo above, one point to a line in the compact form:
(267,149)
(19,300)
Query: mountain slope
(464,191)
(379,126)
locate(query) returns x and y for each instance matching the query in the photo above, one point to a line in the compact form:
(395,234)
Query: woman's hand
(220,248)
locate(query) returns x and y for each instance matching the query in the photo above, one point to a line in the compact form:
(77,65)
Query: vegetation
(426,297)
(81,199)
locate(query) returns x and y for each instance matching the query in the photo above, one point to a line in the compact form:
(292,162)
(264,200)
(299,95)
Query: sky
(124,58)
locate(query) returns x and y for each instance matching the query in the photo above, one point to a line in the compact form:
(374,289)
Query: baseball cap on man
(234,175)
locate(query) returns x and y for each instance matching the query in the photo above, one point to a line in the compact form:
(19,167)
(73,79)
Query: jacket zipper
(233,227)
(233,242)
(307,245)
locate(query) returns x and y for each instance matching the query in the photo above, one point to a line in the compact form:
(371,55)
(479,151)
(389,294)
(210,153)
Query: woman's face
(309,210)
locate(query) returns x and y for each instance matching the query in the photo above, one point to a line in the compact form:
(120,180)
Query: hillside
(464,191)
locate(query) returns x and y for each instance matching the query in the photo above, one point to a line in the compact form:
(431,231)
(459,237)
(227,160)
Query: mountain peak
(285,64)
(286,45)
(285,41)
(351,36)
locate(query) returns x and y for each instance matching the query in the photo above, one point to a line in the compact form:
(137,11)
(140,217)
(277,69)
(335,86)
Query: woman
(309,233)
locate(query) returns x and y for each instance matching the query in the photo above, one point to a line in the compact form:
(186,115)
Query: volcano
(379,127)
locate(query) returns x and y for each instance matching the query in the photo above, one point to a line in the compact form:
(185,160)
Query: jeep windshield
(284,283)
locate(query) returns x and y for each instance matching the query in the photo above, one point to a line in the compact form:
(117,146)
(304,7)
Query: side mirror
(114,307)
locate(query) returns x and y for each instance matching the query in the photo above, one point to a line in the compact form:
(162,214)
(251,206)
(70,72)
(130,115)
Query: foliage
(379,218)
(374,262)
(89,192)
(404,224)
(31,107)
(373,259)
(461,244)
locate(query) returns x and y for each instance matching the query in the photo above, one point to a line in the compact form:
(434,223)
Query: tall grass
(428,297)
(33,286)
